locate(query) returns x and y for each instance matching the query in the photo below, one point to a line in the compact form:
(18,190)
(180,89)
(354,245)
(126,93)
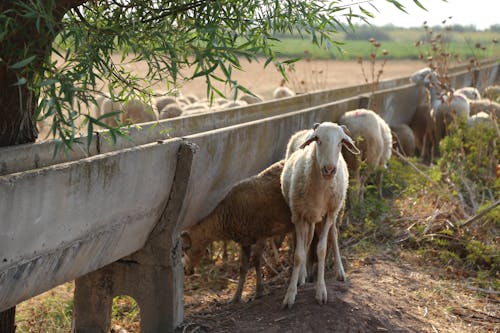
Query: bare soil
(305,76)
(384,293)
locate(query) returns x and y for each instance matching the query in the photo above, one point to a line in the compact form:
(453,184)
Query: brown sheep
(251,212)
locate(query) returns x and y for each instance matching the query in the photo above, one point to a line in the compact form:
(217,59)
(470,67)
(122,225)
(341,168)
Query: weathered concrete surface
(153,276)
(63,221)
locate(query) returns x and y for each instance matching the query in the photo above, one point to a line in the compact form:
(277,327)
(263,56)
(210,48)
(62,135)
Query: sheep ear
(186,241)
(315,125)
(349,144)
(346,130)
(310,138)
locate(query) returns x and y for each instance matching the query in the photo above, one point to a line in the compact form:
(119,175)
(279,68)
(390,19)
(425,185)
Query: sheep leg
(244,264)
(339,268)
(303,268)
(321,293)
(257,256)
(301,230)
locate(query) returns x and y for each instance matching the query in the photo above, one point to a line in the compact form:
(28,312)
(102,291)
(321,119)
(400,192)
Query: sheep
(480,118)
(233,104)
(162,101)
(195,108)
(421,123)
(282,92)
(404,139)
(485,105)
(192,98)
(451,106)
(170,111)
(374,140)
(314,183)
(253,210)
(131,112)
(470,92)
(250,99)
(492,93)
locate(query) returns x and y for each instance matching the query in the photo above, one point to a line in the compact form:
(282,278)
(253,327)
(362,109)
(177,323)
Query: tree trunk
(7,320)
(17,110)
(18,103)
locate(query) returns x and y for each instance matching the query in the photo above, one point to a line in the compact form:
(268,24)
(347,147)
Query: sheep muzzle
(328,171)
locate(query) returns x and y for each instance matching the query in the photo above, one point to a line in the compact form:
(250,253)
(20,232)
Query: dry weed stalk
(311,78)
(373,77)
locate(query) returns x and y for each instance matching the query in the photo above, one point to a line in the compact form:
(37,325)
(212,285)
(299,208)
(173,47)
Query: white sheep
(251,99)
(470,92)
(492,92)
(252,211)
(282,92)
(170,111)
(314,183)
(446,109)
(485,105)
(130,112)
(480,118)
(161,102)
(195,108)
(374,139)
(232,104)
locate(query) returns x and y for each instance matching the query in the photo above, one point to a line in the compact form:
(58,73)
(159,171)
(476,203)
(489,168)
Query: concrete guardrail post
(153,276)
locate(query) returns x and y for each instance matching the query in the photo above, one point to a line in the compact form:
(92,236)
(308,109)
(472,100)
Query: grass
(401,45)
(350,50)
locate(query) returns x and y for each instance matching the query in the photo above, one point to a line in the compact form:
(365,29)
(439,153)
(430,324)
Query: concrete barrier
(63,221)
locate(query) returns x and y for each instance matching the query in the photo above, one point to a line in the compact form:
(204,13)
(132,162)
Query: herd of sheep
(169,106)
(305,193)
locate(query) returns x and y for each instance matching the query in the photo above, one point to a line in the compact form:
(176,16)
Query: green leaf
(23,63)
(20,82)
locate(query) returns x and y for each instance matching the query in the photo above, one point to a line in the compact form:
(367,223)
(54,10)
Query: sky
(481,13)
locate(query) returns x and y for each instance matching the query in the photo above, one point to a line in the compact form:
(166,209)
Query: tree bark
(7,320)
(18,103)
(17,110)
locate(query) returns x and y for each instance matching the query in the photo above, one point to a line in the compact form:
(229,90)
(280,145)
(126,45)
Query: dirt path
(383,294)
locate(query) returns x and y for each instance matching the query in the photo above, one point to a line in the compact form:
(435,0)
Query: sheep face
(329,138)
(191,254)
(420,76)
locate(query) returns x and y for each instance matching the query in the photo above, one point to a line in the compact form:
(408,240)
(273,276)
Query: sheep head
(191,253)
(329,138)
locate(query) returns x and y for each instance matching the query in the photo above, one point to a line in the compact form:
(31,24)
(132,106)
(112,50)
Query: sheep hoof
(321,295)
(289,300)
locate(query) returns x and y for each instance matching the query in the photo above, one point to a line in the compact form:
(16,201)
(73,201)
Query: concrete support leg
(156,287)
(153,276)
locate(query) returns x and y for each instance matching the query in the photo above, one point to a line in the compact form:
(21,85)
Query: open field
(306,76)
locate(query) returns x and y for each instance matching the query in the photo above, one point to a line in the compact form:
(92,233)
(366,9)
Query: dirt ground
(305,76)
(384,293)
